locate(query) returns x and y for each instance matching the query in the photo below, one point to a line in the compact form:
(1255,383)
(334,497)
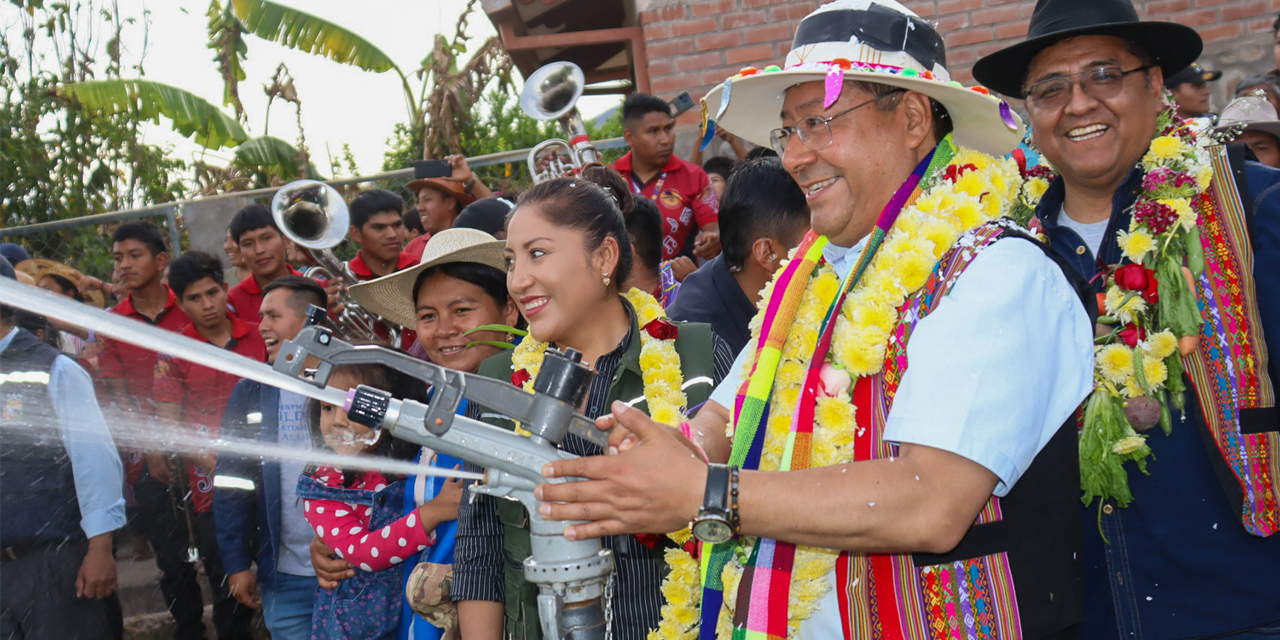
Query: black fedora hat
(1173,46)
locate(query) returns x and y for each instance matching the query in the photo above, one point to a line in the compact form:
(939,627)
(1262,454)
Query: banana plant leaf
(302,31)
(191,115)
(273,154)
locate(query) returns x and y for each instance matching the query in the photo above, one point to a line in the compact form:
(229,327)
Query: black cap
(487,214)
(13,253)
(1193,73)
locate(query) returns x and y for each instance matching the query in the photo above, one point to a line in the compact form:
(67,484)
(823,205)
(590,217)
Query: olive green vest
(695,344)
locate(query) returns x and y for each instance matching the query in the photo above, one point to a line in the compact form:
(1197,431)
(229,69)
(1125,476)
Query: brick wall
(692,45)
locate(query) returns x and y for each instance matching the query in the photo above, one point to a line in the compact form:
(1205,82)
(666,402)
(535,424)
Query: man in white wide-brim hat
(1254,122)
(935,500)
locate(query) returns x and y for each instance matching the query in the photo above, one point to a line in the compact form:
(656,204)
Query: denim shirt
(1176,563)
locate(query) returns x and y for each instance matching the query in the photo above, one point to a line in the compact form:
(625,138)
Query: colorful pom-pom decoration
(834,86)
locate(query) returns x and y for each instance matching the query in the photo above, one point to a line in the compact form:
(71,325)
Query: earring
(511,337)
(773,256)
(606,278)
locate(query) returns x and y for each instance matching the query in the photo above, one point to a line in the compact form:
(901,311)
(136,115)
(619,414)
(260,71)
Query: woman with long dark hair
(567,254)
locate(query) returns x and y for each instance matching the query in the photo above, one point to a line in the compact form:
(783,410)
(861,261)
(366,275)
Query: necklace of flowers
(973,189)
(663,380)
(1151,318)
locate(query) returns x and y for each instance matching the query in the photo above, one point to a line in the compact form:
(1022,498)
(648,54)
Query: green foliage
(500,125)
(62,162)
(190,114)
(497,124)
(305,32)
(273,156)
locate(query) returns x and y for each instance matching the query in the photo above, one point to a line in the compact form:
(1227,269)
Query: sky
(341,104)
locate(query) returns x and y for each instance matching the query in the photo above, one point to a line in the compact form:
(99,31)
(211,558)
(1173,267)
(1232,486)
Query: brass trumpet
(314,216)
(551,93)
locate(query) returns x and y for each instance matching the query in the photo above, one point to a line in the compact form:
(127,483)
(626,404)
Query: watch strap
(716,498)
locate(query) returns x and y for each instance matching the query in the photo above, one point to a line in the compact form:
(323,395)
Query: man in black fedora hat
(1187,548)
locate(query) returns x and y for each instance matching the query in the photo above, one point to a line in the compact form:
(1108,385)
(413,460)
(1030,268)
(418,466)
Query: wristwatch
(715,522)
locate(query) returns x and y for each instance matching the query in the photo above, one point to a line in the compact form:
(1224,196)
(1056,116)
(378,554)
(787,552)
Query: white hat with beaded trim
(877,41)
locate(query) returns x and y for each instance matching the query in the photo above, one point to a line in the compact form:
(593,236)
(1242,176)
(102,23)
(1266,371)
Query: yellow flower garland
(924,231)
(664,394)
(663,380)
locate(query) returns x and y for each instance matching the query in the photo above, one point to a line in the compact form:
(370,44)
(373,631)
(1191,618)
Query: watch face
(713,531)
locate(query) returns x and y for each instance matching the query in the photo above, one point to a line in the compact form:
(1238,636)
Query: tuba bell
(550,93)
(314,216)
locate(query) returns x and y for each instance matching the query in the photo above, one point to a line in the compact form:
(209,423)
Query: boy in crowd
(764,215)
(255,502)
(1190,89)
(680,189)
(263,249)
(412,224)
(718,169)
(127,371)
(648,272)
(378,229)
(440,200)
(190,398)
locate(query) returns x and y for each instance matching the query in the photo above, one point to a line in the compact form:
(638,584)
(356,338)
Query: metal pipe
(489,159)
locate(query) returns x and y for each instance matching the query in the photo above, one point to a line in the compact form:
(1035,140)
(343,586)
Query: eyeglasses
(815,131)
(1102,83)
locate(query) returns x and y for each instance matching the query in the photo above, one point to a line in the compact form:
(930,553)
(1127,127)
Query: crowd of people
(877,375)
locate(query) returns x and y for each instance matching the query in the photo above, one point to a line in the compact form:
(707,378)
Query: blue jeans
(287,608)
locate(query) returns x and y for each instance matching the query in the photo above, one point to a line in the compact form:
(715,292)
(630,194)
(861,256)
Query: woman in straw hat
(459,285)
(61,279)
(567,254)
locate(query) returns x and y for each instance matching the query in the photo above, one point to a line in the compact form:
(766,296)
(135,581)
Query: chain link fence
(84,243)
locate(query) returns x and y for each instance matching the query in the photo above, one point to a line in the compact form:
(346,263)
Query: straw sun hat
(877,41)
(392,296)
(38,268)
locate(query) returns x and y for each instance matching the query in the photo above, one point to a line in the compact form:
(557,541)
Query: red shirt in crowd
(136,365)
(203,394)
(133,363)
(683,194)
(245,299)
(416,246)
(358,266)
(361,271)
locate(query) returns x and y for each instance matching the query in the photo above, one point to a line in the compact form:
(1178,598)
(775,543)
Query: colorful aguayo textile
(1228,370)
(796,408)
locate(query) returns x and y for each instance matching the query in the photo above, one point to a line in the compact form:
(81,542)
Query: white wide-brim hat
(877,41)
(392,296)
(1250,113)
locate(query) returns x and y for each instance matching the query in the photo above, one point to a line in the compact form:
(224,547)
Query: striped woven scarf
(764,590)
